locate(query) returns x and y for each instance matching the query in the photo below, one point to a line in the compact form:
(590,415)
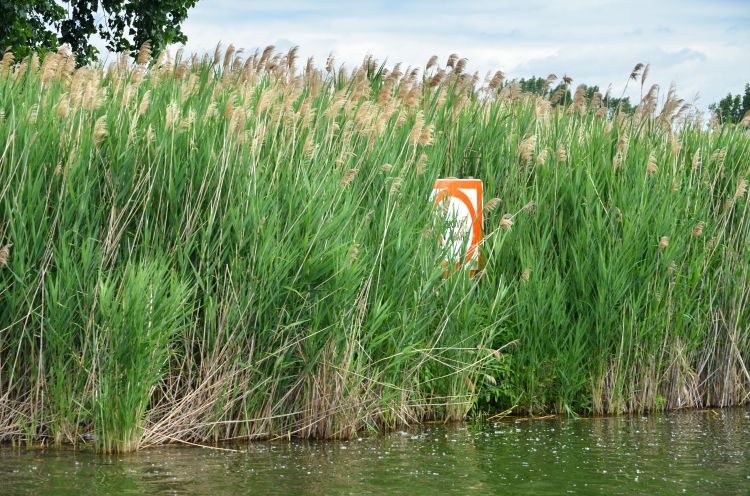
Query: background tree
(561,95)
(24,25)
(732,108)
(123,25)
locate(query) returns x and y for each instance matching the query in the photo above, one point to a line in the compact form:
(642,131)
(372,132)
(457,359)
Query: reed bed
(234,247)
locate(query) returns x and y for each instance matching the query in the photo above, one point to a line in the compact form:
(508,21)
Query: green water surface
(699,452)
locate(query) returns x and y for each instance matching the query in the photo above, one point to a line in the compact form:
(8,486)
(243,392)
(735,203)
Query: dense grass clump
(233,248)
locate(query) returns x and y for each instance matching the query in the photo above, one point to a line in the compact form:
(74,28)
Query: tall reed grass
(217,248)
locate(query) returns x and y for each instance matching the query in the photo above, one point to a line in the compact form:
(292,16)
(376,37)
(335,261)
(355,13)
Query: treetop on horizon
(123,25)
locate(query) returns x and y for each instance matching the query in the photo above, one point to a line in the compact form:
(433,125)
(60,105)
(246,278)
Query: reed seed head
(491,205)
(696,159)
(698,229)
(416,130)
(63,107)
(5,254)
(663,243)
(506,223)
(145,100)
(425,137)
(636,71)
(395,185)
(741,189)
(541,157)
(421,164)
(651,167)
(100,129)
(349,176)
(550,79)
(644,76)
(497,80)
(144,54)
(526,148)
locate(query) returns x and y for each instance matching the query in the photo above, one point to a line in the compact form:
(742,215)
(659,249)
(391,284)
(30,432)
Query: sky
(703,47)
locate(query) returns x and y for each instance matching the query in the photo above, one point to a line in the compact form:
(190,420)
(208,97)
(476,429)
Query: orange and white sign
(460,200)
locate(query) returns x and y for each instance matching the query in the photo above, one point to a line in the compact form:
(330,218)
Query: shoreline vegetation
(242,247)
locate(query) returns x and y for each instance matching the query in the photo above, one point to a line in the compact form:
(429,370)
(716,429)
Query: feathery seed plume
(425,137)
(741,189)
(526,148)
(145,100)
(144,54)
(663,243)
(396,184)
(460,66)
(437,78)
(421,164)
(63,107)
(541,157)
(491,205)
(173,113)
(557,95)
(698,229)
(497,80)
(5,254)
(100,129)
(291,58)
(550,79)
(228,55)
(636,71)
(596,99)
(506,223)
(644,76)
(416,130)
(7,60)
(651,167)
(697,159)
(349,176)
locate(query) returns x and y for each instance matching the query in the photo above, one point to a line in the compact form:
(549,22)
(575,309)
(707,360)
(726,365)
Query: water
(687,453)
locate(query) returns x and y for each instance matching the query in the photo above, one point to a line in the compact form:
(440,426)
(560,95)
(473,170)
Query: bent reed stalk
(222,248)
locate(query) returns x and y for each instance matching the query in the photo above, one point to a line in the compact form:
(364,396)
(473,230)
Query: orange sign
(461,201)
